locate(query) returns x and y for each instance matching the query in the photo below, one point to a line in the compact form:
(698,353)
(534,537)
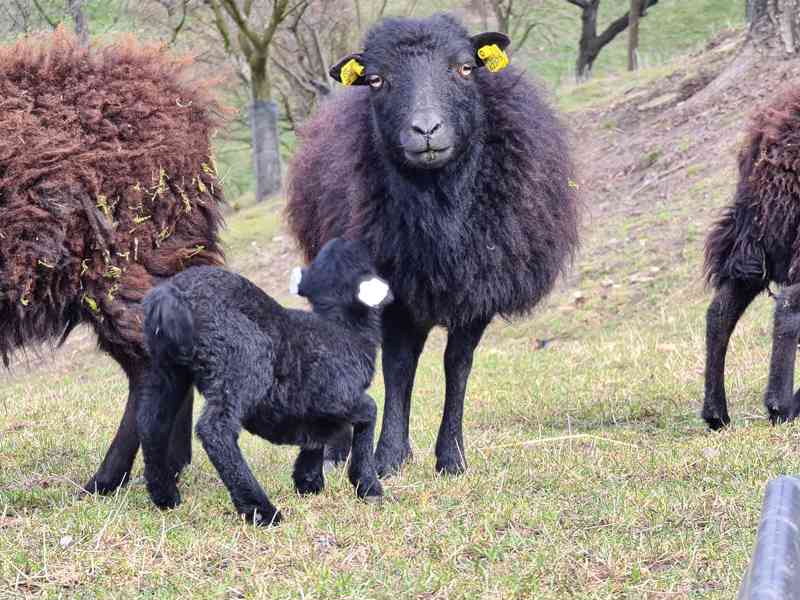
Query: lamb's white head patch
(373,291)
(294,280)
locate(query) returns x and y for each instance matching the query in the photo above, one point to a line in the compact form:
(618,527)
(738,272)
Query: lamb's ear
(490,50)
(295,277)
(374,292)
(349,70)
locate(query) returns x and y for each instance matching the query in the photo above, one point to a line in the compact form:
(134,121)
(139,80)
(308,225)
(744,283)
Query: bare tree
(591,43)
(75,10)
(248,29)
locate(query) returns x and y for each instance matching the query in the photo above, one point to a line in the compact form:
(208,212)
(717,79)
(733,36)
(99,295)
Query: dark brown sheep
(755,242)
(106,188)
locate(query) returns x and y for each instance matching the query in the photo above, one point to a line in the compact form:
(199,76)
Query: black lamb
(290,376)
(457,175)
(755,242)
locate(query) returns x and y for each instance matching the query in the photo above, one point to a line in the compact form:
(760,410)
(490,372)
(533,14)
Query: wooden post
(633,35)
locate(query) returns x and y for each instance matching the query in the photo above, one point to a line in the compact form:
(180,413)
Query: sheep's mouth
(429,158)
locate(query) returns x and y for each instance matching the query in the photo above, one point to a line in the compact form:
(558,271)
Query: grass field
(591,475)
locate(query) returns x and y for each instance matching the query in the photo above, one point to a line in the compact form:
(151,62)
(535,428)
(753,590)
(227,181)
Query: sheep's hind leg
(161,398)
(780,399)
(307,474)
(115,470)
(461,344)
(362,472)
(219,435)
(180,441)
(402,344)
(729,303)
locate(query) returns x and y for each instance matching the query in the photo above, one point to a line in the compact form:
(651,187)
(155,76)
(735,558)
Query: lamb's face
(342,275)
(423,91)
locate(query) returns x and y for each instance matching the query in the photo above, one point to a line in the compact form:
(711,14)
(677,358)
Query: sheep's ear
(490,50)
(374,292)
(349,70)
(295,277)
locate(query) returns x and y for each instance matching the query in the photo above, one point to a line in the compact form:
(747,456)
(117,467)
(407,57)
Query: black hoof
(105,487)
(716,421)
(778,415)
(389,463)
(263,517)
(313,485)
(369,488)
(450,467)
(166,499)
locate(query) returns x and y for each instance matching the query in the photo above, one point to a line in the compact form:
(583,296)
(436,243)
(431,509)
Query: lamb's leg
(307,474)
(402,344)
(729,303)
(362,473)
(461,344)
(162,395)
(180,441)
(115,469)
(779,398)
(219,433)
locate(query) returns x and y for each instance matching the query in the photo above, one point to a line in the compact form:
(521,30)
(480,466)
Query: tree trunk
(266,148)
(264,129)
(591,43)
(75,10)
(775,26)
(633,35)
(587,47)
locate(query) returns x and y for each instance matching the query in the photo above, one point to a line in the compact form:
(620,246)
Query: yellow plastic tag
(350,72)
(493,57)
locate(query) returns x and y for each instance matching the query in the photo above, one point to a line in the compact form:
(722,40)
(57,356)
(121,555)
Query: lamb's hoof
(310,486)
(105,487)
(450,467)
(164,497)
(263,517)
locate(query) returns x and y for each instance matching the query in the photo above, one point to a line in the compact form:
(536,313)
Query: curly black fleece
(290,376)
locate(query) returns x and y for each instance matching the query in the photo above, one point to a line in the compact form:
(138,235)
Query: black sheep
(289,376)
(459,179)
(106,188)
(755,242)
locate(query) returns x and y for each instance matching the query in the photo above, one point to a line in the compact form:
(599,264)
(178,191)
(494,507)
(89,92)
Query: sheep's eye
(465,70)
(375,82)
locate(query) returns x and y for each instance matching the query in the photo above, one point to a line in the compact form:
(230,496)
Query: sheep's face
(426,102)
(342,275)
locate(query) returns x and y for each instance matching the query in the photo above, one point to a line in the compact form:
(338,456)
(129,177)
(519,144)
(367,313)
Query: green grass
(591,475)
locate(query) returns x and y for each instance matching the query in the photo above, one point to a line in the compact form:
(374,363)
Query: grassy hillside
(591,475)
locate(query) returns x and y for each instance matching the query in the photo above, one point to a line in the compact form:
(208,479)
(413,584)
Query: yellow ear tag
(493,57)
(351,71)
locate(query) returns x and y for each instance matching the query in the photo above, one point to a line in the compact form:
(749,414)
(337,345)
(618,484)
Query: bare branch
(53,23)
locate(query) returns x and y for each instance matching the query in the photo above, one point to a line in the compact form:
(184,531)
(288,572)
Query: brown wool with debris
(105,185)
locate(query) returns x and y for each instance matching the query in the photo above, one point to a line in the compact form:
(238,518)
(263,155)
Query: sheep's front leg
(219,433)
(403,341)
(307,474)
(161,397)
(461,344)
(779,398)
(362,473)
(729,303)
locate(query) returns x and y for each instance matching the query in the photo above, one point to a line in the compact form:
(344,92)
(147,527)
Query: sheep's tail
(168,326)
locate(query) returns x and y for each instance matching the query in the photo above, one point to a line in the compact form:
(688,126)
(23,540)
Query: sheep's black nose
(426,123)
